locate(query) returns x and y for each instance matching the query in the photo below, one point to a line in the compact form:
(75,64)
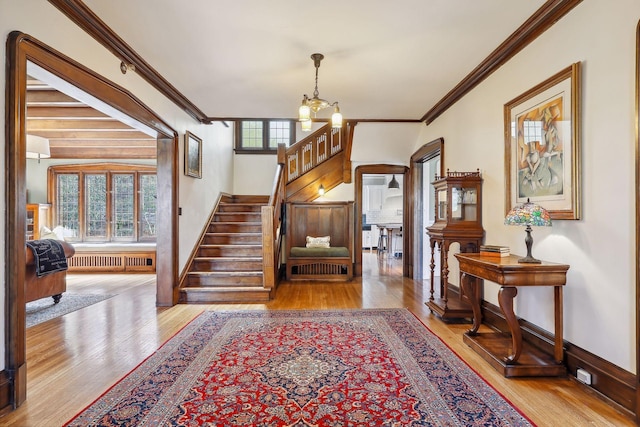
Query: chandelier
(316,103)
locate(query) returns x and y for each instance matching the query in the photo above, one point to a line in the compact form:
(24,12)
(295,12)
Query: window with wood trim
(260,136)
(104,202)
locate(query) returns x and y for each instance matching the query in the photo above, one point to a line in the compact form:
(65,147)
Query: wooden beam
(50,97)
(111,134)
(66,112)
(74,124)
(81,143)
(103,153)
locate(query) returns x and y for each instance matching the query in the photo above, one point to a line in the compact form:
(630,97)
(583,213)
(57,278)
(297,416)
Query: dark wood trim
(84,17)
(357,209)
(637,194)
(612,383)
(5,393)
(22,48)
(538,23)
(422,154)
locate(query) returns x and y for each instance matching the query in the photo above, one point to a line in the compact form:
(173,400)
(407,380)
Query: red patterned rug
(303,368)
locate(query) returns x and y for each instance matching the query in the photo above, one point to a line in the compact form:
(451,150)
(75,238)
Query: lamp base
(529,260)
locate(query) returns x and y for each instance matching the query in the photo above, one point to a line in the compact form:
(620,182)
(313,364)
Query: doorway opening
(426,163)
(23,50)
(381,221)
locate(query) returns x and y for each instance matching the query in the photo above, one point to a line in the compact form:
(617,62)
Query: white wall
(196,196)
(599,304)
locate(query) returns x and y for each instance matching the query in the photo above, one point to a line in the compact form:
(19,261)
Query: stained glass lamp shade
(528,214)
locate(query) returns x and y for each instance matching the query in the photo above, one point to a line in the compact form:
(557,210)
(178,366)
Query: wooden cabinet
(458,204)
(37,217)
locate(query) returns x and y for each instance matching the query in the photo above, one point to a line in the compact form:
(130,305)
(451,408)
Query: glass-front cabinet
(457,202)
(458,219)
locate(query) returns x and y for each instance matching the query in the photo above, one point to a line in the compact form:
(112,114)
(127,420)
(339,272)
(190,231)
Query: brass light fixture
(316,103)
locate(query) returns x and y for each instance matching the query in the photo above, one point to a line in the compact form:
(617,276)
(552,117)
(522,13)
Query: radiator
(89,262)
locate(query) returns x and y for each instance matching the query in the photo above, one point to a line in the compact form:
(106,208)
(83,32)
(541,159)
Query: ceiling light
(394,183)
(316,103)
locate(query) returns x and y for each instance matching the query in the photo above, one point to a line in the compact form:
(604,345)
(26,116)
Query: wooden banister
(309,152)
(272,227)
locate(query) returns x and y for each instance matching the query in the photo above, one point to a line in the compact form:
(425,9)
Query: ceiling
(77,131)
(251,58)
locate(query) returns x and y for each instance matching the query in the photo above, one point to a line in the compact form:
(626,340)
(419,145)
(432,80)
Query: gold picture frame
(192,155)
(542,146)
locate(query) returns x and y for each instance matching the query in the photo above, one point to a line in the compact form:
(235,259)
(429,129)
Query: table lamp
(528,214)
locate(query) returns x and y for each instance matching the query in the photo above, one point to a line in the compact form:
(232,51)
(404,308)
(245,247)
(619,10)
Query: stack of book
(494,251)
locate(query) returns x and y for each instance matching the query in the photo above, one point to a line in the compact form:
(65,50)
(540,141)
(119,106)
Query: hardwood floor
(73,359)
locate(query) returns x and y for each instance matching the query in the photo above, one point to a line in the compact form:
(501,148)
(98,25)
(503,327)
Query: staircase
(227,266)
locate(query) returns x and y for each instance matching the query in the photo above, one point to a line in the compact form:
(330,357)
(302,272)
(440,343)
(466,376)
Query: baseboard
(612,383)
(6,393)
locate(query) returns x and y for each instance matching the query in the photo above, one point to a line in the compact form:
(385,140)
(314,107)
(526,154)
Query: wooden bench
(319,219)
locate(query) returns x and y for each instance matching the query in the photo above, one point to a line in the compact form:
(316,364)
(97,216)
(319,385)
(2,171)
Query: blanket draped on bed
(49,256)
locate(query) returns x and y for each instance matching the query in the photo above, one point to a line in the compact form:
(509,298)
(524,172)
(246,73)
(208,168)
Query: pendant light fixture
(394,183)
(316,103)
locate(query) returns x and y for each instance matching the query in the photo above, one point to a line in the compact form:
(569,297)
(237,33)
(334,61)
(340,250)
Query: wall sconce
(321,190)
(37,147)
(126,67)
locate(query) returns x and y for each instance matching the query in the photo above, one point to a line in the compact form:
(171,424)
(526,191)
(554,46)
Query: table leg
(557,306)
(505,298)
(469,284)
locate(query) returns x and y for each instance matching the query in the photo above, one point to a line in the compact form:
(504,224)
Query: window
(263,135)
(104,202)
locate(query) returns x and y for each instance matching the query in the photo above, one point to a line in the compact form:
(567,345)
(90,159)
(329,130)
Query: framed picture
(542,146)
(192,155)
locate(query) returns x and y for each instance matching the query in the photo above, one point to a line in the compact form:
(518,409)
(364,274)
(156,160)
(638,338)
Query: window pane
(251,134)
(95,188)
(148,199)
(279,133)
(123,206)
(67,204)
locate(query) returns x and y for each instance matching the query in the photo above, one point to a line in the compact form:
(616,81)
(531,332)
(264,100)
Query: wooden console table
(510,355)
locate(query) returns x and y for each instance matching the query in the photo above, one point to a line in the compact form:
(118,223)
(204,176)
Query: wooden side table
(509,354)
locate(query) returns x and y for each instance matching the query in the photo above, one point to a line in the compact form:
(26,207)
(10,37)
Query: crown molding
(79,13)
(537,24)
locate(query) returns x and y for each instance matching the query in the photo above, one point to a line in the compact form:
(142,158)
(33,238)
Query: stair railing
(309,152)
(272,216)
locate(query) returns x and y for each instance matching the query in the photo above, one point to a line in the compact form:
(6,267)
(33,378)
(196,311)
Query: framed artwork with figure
(542,145)
(192,155)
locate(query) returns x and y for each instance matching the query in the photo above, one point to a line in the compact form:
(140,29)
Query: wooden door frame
(22,48)
(406,223)
(424,153)
(637,197)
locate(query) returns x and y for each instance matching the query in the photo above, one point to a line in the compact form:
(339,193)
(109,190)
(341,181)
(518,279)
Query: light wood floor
(73,359)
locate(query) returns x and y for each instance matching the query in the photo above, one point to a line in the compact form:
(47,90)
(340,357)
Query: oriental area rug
(303,368)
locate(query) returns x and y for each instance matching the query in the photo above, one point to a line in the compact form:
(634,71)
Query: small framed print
(192,155)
